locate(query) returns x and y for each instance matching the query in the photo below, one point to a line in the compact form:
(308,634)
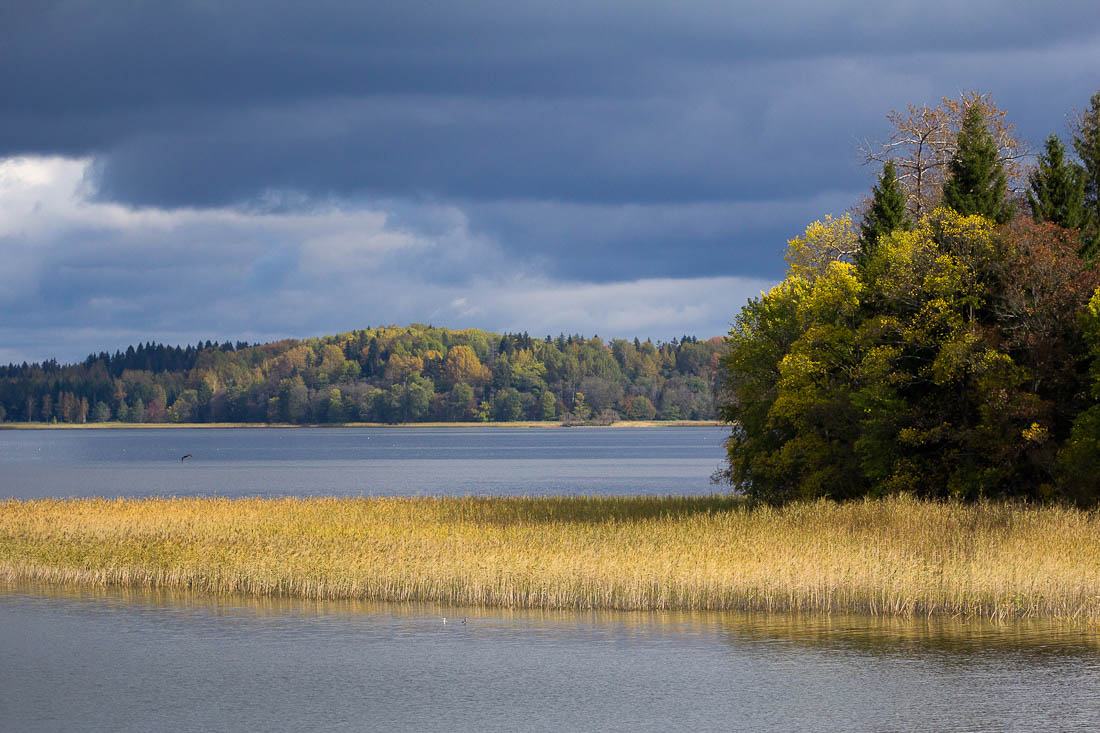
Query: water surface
(354,461)
(126,660)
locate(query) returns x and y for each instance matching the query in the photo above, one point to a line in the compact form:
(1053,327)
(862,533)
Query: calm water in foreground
(353,461)
(116,660)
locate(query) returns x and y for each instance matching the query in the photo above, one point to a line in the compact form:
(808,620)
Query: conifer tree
(1086,141)
(977,183)
(1056,189)
(886,214)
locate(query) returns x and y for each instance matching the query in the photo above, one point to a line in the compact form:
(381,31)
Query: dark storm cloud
(485,143)
(208,103)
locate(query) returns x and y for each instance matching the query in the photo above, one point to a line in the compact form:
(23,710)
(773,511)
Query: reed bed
(894,556)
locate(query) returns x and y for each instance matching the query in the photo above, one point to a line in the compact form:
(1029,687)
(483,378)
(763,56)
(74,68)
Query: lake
(118,660)
(354,461)
(126,660)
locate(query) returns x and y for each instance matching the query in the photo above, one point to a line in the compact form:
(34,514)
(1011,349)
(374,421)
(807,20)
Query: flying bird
(185,457)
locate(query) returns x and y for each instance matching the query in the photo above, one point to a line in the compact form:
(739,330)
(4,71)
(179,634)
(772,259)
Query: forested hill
(386,374)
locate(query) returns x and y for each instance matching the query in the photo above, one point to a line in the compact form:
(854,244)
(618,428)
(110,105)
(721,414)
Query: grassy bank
(896,556)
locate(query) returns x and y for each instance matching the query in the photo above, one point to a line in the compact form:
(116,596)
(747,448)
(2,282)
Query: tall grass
(893,557)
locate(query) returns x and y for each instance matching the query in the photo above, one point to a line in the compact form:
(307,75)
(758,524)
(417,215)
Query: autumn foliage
(959,358)
(386,374)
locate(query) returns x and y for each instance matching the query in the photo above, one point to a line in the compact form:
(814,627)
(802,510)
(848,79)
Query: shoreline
(244,426)
(889,557)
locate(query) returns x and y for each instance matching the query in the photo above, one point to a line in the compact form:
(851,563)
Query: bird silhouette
(185,457)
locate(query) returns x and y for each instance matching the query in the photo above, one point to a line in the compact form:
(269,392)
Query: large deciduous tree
(952,366)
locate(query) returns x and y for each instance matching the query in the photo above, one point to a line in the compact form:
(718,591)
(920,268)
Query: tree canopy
(957,358)
(383,374)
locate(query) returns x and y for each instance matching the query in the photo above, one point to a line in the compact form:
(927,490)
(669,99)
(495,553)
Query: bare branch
(924,140)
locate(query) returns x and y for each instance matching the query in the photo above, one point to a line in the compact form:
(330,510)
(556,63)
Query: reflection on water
(137,660)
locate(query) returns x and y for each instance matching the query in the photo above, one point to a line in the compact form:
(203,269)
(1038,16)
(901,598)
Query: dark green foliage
(953,366)
(1086,142)
(977,184)
(886,214)
(1056,189)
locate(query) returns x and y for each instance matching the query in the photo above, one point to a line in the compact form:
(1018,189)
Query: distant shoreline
(511,425)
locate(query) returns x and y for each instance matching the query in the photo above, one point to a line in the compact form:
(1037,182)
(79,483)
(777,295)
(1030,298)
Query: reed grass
(895,556)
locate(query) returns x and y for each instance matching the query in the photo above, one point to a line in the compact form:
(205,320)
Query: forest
(387,374)
(947,345)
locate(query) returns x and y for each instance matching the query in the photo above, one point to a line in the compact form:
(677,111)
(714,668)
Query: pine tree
(977,183)
(1056,189)
(887,212)
(1086,142)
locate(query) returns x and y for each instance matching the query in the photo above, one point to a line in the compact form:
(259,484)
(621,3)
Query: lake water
(120,660)
(354,461)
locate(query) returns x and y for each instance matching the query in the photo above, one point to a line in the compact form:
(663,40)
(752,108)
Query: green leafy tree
(334,406)
(418,398)
(461,402)
(507,406)
(886,214)
(977,184)
(293,400)
(760,339)
(548,405)
(1079,458)
(1056,188)
(952,367)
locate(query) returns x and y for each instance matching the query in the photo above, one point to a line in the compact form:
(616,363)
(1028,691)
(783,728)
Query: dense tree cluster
(956,354)
(387,374)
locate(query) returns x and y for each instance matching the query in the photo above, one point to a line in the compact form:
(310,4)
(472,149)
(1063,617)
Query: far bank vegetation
(388,374)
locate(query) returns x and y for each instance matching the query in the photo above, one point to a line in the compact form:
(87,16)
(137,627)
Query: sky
(194,170)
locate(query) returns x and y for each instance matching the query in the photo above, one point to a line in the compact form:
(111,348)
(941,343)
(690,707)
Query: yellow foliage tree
(462,365)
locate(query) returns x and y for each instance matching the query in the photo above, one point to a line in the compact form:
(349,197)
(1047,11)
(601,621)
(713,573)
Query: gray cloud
(477,142)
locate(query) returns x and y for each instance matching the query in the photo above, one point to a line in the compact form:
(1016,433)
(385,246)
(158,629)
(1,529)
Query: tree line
(386,374)
(946,346)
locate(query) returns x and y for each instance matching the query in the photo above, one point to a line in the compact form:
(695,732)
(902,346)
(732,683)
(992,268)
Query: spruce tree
(977,183)
(1056,189)
(1086,142)
(886,214)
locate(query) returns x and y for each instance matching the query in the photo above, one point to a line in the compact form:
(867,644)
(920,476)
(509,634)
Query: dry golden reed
(894,556)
